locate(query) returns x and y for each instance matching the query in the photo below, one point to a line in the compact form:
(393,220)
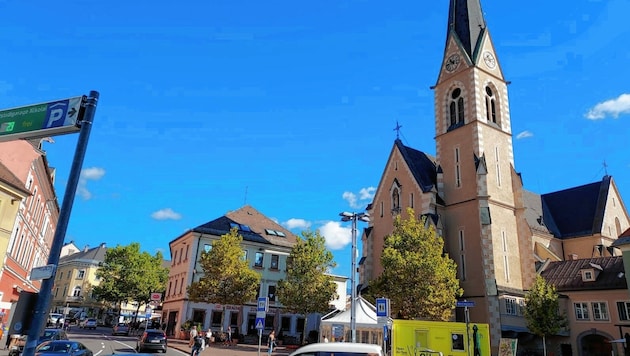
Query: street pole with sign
(45,292)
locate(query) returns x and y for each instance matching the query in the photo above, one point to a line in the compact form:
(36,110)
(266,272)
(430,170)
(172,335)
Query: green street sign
(41,120)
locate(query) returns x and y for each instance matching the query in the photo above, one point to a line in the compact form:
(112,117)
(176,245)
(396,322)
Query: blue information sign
(382,307)
(260,323)
(465,304)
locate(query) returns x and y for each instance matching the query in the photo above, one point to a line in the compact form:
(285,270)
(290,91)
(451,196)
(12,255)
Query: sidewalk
(220,349)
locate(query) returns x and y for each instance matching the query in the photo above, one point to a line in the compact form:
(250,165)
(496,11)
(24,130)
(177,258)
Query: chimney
(102,245)
(86,248)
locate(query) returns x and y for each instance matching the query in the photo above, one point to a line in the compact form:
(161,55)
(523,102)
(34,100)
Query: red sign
(156,296)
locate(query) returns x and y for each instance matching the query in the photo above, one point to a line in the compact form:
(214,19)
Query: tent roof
(365,313)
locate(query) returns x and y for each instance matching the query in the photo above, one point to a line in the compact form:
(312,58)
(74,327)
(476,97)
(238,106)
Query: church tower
(484,226)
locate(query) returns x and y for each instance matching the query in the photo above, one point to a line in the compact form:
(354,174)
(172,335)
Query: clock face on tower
(489,59)
(452,62)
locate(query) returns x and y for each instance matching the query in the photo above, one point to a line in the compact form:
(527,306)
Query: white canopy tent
(369,330)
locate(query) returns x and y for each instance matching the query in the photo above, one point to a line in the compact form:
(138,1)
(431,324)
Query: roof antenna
(245,201)
(605,168)
(397,129)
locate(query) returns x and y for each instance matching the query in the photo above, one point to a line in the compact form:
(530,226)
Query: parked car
(89,323)
(62,347)
(120,329)
(55,319)
(52,334)
(152,339)
(16,346)
(339,348)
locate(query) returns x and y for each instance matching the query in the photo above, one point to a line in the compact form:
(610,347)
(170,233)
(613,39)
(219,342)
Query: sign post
(466,304)
(88,109)
(382,316)
(261,314)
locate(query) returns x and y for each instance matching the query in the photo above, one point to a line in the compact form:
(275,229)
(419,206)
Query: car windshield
(61,347)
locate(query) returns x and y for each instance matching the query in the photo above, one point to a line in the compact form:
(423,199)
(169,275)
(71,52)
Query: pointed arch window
(491,106)
(395,191)
(456,108)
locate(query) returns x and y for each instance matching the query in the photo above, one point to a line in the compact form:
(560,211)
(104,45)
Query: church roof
(566,275)
(465,18)
(252,225)
(422,166)
(576,211)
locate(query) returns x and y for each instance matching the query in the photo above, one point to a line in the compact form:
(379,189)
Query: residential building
(594,297)
(12,192)
(74,281)
(470,191)
(266,246)
(34,225)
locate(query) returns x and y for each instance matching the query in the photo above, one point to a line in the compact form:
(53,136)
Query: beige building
(74,281)
(497,232)
(594,297)
(266,246)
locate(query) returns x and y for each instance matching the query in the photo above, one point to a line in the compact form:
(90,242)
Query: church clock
(491,62)
(452,62)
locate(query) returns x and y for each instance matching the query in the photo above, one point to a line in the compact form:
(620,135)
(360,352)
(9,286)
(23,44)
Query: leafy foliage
(418,277)
(541,309)
(307,288)
(227,278)
(128,275)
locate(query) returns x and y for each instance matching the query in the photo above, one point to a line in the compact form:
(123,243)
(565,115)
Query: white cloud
(365,197)
(367,193)
(166,214)
(524,134)
(337,236)
(93,173)
(612,107)
(296,223)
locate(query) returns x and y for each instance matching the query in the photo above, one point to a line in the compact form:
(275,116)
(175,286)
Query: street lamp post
(354,217)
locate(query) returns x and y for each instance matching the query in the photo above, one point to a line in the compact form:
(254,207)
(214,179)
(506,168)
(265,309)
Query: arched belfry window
(491,106)
(456,108)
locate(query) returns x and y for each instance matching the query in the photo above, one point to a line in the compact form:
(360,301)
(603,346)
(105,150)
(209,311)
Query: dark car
(152,340)
(120,329)
(62,347)
(52,334)
(17,347)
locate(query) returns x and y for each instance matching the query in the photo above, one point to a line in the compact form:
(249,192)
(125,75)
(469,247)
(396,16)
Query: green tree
(418,276)
(226,278)
(541,310)
(128,275)
(307,287)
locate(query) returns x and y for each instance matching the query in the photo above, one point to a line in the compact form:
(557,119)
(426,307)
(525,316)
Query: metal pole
(467,315)
(259,340)
(353,281)
(45,293)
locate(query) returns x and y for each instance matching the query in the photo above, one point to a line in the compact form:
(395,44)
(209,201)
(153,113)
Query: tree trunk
(544,346)
(304,330)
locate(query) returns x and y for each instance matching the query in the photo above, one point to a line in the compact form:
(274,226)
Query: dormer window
(588,275)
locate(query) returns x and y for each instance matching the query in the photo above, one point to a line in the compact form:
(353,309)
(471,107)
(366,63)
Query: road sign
(382,307)
(465,304)
(260,323)
(43,272)
(148,312)
(262,304)
(41,120)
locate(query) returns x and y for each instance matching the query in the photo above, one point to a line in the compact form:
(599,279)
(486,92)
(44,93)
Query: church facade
(498,233)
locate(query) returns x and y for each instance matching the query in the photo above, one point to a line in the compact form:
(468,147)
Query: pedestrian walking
(271,343)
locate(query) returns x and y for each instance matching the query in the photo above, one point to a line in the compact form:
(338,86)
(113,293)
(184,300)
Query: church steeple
(465,18)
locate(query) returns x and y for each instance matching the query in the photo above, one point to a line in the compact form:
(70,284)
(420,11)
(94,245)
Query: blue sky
(290,106)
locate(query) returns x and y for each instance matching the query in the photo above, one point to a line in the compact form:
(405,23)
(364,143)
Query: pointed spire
(466,19)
